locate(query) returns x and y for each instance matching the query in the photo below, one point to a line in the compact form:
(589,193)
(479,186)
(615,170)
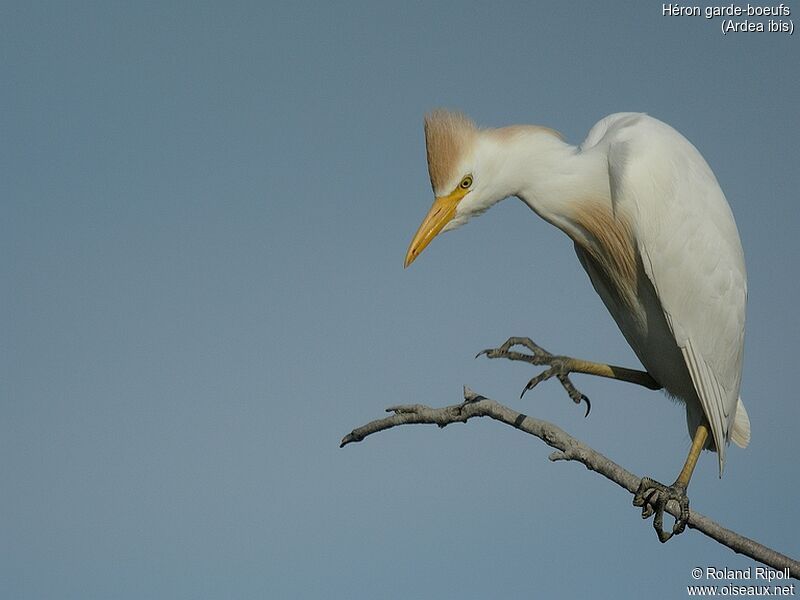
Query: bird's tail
(740,434)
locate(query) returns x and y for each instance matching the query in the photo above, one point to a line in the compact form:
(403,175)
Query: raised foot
(560,366)
(653,496)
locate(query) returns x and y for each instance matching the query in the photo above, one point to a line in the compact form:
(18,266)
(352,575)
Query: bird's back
(687,325)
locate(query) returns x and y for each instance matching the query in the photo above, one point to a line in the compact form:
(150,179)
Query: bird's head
(458,164)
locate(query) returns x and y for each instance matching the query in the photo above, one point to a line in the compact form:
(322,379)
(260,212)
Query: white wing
(690,249)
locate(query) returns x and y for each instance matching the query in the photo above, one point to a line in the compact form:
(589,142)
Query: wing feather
(690,250)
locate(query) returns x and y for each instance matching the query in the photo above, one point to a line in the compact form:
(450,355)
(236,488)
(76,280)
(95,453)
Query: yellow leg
(652,496)
(563,365)
(642,378)
(699,440)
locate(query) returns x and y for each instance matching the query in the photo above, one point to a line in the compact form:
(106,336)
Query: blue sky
(206,208)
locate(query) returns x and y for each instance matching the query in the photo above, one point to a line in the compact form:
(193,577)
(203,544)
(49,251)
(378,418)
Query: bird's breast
(606,238)
(638,313)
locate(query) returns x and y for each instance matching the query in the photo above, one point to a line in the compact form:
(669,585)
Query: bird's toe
(652,497)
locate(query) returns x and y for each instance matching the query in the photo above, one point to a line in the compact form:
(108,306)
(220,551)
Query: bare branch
(567,448)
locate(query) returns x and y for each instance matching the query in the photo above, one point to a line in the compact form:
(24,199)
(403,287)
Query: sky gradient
(206,207)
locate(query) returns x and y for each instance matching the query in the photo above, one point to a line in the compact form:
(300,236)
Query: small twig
(567,448)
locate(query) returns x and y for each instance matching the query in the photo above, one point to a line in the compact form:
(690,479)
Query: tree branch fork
(567,448)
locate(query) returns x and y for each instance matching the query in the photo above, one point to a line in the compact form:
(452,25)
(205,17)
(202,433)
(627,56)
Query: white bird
(655,234)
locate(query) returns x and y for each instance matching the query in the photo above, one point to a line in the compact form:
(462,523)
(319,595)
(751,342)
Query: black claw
(543,376)
(588,405)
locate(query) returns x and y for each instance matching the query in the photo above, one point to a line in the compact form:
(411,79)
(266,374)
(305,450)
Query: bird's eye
(466,183)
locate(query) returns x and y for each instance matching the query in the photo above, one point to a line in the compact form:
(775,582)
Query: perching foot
(560,366)
(653,496)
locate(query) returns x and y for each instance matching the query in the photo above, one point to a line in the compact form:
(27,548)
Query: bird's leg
(653,496)
(562,366)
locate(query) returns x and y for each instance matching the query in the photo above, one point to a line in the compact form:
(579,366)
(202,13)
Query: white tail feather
(740,435)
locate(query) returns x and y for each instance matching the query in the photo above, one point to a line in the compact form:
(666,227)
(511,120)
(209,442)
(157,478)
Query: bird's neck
(552,177)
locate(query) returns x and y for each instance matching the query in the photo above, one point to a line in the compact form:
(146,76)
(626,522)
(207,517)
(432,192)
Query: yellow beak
(440,214)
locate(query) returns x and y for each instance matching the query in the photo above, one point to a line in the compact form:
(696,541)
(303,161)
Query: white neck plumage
(552,177)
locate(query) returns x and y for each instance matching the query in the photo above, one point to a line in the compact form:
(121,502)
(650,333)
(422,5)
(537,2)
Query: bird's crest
(448,136)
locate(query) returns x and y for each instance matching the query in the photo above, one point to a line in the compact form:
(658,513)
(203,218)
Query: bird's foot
(653,496)
(560,366)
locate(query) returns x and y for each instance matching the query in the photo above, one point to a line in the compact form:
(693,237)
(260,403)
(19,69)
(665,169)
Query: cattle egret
(656,236)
